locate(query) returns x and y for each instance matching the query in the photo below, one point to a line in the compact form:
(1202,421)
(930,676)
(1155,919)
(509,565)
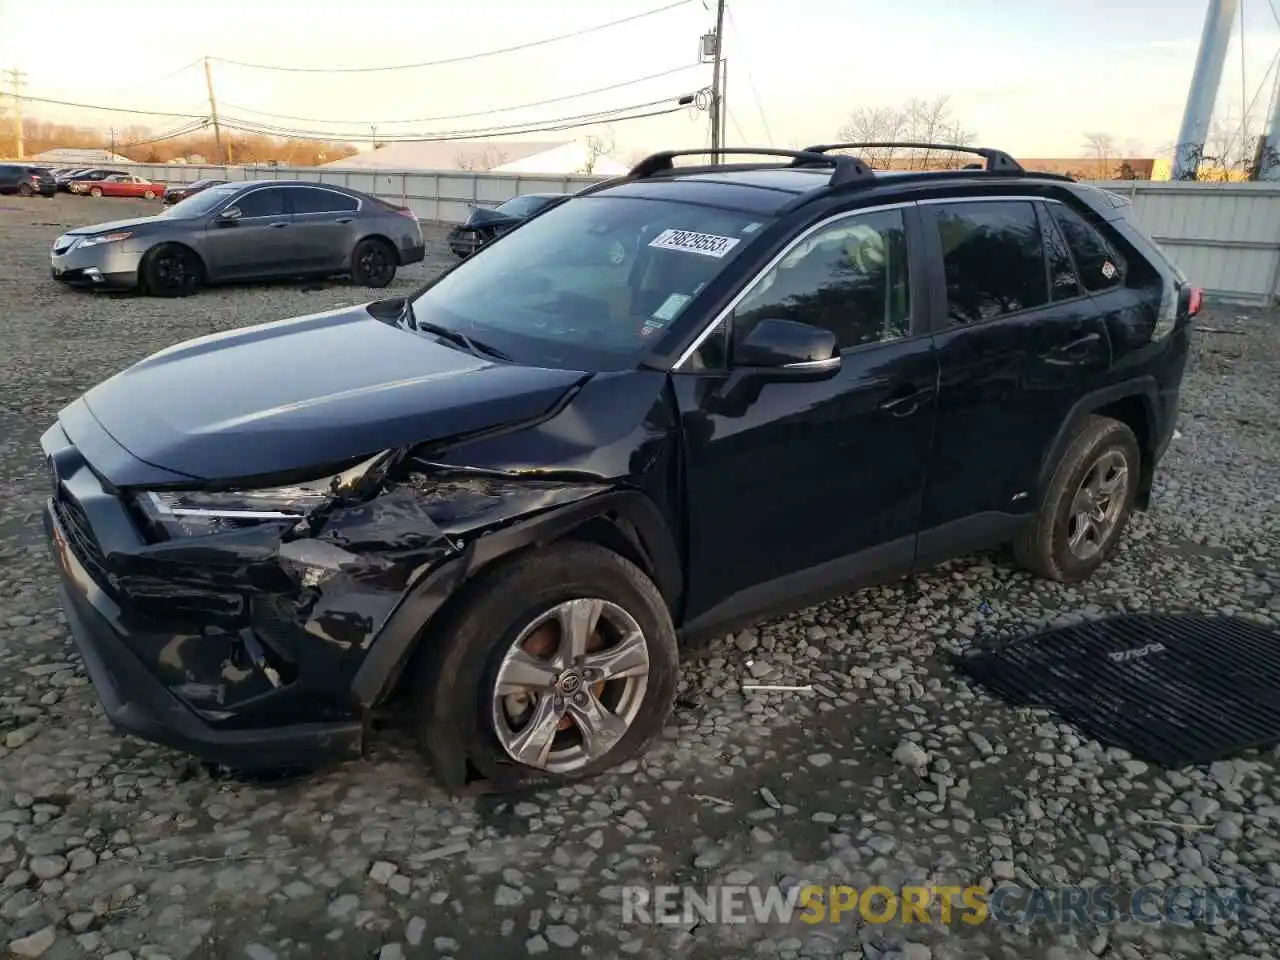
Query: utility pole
(717,107)
(113,141)
(16,79)
(1214,40)
(724,98)
(213,112)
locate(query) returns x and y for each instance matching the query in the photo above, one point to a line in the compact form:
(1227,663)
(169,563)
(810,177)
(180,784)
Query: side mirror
(786,349)
(229,216)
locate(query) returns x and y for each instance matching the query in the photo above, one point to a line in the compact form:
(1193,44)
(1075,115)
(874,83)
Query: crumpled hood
(310,391)
(484,217)
(112,226)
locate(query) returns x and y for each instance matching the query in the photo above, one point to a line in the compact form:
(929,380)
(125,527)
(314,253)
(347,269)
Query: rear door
(258,244)
(1018,340)
(324,226)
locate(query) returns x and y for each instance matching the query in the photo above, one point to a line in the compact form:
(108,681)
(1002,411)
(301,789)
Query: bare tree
(916,121)
(1102,150)
(598,145)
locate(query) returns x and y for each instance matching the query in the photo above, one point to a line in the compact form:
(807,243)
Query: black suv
(26,181)
(678,402)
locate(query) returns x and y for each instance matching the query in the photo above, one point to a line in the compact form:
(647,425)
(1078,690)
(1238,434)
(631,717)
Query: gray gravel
(890,771)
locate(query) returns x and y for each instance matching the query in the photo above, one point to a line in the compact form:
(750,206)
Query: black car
(26,181)
(85,174)
(180,191)
(506,500)
(250,230)
(485,223)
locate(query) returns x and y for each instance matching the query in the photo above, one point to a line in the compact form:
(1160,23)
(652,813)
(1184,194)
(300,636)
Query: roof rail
(845,170)
(997,160)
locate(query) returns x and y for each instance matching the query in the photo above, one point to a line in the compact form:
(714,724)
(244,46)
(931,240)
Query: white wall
(1224,236)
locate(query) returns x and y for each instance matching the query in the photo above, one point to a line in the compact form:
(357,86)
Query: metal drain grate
(1173,689)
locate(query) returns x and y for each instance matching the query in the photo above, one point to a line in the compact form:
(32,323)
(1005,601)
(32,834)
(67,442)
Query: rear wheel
(1087,505)
(556,667)
(24,190)
(373,263)
(149,194)
(171,271)
(95,192)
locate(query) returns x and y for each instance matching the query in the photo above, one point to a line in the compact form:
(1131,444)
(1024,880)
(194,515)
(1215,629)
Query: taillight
(35,178)
(407,212)
(1195,302)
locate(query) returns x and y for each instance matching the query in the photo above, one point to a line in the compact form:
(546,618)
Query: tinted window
(993,258)
(523,206)
(1063,281)
(1101,265)
(590,283)
(306,200)
(261,203)
(849,277)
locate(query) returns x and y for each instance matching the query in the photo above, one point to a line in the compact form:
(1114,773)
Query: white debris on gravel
(891,771)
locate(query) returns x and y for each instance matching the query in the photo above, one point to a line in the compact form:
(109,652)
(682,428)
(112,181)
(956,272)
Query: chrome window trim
(795,241)
(989,198)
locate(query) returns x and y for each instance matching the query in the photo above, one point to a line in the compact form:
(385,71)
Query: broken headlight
(196,513)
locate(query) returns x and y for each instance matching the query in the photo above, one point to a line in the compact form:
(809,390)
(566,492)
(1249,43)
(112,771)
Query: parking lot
(890,771)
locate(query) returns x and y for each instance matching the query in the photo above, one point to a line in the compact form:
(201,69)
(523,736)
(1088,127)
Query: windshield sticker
(752,227)
(707,244)
(1109,270)
(652,326)
(670,307)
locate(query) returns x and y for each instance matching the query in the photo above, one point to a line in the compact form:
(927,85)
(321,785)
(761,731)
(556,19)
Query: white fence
(1224,236)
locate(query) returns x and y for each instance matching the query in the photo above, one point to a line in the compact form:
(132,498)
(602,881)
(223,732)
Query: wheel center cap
(570,682)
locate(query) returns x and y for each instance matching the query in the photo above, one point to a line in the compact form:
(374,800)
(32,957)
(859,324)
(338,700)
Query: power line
(181,131)
(751,83)
(462,59)
(586,119)
(96,106)
(474,113)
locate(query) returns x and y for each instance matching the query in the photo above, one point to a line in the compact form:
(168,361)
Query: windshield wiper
(470,344)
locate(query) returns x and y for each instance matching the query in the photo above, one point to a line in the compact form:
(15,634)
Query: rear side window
(307,200)
(1064,283)
(1099,263)
(993,259)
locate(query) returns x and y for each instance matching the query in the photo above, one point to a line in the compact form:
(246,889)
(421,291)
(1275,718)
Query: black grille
(1174,689)
(80,536)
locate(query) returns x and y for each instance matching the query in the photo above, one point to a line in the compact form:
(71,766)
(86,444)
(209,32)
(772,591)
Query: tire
(95,192)
(170,270)
(148,194)
(1101,450)
(24,190)
(455,684)
(373,263)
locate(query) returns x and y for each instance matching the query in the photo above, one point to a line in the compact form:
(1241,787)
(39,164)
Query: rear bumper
(136,702)
(414,254)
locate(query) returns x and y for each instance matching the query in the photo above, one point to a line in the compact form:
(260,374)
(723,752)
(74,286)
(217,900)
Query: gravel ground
(892,771)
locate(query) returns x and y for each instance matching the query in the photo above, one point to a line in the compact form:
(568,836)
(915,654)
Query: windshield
(590,283)
(522,206)
(198,204)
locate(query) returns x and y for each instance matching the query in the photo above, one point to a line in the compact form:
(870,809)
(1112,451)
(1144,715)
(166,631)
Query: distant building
(491,156)
(70,155)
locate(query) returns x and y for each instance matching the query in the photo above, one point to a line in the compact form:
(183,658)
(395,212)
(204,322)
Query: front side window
(262,203)
(993,259)
(849,277)
(590,283)
(1101,265)
(199,204)
(307,200)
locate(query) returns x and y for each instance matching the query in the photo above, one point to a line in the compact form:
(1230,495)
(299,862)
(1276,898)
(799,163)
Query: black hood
(310,391)
(484,217)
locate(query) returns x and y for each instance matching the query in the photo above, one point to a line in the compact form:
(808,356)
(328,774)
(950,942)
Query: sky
(1031,77)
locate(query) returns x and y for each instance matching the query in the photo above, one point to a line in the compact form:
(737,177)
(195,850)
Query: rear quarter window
(1099,264)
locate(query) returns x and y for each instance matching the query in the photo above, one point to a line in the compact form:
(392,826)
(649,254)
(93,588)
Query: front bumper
(108,266)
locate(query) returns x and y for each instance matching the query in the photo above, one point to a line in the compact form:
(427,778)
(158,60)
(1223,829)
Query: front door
(1018,339)
(802,489)
(260,243)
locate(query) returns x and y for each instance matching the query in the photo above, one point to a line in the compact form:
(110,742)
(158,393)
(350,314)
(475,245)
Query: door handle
(905,404)
(345,220)
(279,226)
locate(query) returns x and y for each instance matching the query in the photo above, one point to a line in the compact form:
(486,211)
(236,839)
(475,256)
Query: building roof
(446,155)
(74,154)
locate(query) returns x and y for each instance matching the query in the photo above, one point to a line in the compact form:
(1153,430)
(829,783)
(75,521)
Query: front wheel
(555,667)
(1087,505)
(373,263)
(171,271)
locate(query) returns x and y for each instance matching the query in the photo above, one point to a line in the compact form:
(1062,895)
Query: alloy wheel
(375,264)
(1098,504)
(571,685)
(171,271)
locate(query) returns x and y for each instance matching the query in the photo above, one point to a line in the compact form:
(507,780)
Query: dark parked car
(85,175)
(510,496)
(485,223)
(251,230)
(26,181)
(180,191)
